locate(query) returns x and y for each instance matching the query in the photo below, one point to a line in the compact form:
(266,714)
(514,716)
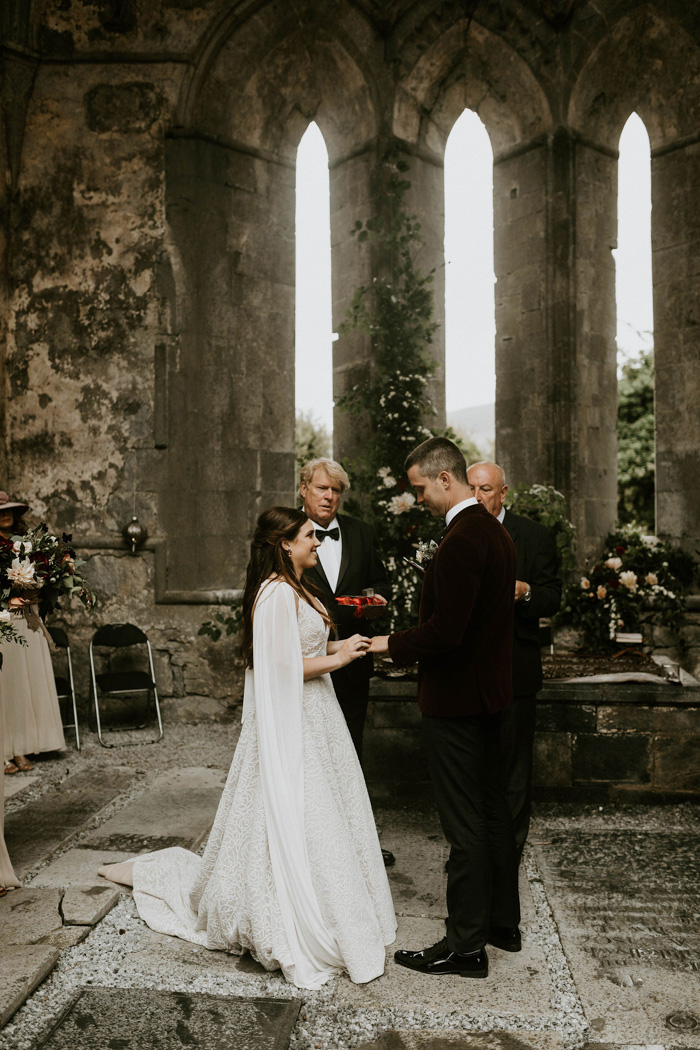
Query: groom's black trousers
(465,763)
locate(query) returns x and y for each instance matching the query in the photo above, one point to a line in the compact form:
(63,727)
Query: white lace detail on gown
(293,871)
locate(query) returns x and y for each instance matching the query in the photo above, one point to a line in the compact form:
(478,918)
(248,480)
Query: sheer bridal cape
(293,871)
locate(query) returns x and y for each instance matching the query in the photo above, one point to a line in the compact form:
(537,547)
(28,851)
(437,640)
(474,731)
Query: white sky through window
(313,324)
(633,280)
(470,322)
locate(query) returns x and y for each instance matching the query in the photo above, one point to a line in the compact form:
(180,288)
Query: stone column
(356,195)
(230,372)
(556,406)
(594,379)
(676,265)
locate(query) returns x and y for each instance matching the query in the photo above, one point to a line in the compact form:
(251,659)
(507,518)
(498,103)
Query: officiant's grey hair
(334,471)
(435,455)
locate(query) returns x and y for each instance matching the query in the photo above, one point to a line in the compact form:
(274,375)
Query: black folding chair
(65,687)
(123,683)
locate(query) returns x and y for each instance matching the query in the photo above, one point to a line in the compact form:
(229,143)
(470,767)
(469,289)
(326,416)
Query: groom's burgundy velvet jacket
(464,639)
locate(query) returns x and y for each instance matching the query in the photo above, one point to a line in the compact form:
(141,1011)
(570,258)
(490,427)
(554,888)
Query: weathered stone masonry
(147,259)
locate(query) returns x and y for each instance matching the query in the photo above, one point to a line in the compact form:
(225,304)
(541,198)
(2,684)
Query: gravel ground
(100,960)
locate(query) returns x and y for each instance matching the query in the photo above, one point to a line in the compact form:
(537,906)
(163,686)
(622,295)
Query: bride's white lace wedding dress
(293,871)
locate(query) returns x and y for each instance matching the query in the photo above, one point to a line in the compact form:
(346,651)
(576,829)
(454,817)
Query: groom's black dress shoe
(438,959)
(388,858)
(507,938)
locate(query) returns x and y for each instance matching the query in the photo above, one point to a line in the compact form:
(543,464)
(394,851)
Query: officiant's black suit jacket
(360,568)
(464,639)
(537,564)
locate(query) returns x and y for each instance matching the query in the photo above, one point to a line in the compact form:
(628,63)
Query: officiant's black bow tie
(333,534)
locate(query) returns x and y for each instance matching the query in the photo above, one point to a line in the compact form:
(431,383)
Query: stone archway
(228,371)
(649,64)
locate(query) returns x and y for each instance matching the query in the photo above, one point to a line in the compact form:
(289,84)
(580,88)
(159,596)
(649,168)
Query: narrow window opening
(635,329)
(470,321)
(313,310)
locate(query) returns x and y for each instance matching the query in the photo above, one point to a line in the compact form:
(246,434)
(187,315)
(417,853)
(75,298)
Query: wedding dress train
(293,871)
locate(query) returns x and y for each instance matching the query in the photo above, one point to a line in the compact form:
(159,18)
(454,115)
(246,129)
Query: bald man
(537,593)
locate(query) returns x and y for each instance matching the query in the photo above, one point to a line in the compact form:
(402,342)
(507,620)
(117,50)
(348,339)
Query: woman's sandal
(22,763)
(10,768)
(3,891)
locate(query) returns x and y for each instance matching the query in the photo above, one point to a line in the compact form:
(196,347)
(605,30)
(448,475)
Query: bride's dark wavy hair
(268,558)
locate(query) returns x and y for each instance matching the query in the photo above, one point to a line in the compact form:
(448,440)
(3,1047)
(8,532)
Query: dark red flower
(613,583)
(620,550)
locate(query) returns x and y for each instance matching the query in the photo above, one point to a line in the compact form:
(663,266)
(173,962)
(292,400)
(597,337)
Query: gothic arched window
(635,328)
(470,324)
(313,325)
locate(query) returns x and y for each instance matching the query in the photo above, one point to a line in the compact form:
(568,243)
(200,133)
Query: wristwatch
(527,595)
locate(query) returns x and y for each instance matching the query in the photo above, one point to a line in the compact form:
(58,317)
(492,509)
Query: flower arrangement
(637,580)
(40,567)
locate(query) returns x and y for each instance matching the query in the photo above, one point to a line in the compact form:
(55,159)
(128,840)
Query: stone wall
(147,266)
(594,742)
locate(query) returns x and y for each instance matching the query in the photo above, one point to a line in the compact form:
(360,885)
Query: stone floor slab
(626,906)
(177,810)
(518,984)
(27,916)
(14,785)
(22,968)
(78,867)
(86,905)
(135,1018)
(158,953)
(33,833)
(67,936)
(409,1039)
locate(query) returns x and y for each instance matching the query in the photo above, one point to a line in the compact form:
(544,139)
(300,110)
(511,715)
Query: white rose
(614,563)
(401,504)
(18,544)
(5,616)
(651,578)
(629,579)
(585,583)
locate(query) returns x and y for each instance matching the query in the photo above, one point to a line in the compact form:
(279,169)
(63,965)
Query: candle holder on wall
(135,534)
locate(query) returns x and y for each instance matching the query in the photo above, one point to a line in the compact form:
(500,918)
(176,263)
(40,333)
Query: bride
(293,871)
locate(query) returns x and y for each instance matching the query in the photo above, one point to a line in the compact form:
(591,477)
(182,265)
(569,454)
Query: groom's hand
(380,644)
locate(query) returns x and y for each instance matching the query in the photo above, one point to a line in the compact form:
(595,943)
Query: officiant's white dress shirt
(501,515)
(454,511)
(330,552)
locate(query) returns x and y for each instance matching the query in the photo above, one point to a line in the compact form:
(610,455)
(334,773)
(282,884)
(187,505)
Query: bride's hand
(352,649)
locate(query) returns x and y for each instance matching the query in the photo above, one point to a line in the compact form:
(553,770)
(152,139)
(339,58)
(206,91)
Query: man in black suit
(537,593)
(462,645)
(348,563)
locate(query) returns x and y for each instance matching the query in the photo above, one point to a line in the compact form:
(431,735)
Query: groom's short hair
(438,454)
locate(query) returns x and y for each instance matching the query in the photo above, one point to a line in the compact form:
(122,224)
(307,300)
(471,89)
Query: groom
(463,645)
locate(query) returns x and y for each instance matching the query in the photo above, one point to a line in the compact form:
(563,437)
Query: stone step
(134,1018)
(178,809)
(33,833)
(22,968)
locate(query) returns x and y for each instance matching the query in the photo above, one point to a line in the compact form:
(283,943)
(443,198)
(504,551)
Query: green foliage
(312,440)
(228,621)
(635,442)
(638,580)
(396,311)
(545,504)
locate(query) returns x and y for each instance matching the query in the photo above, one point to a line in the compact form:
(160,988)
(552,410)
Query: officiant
(348,563)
